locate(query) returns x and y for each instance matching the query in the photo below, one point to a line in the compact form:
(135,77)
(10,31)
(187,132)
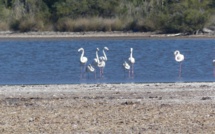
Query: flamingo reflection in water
(179,58)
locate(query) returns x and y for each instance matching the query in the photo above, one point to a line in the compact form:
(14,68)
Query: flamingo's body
(131,59)
(90,68)
(127,67)
(179,58)
(83,61)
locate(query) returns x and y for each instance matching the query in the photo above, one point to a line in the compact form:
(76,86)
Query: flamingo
(95,59)
(104,57)
(127,67)
(131,59)
(83,60)
(179,58)
(100,63)
(90,69)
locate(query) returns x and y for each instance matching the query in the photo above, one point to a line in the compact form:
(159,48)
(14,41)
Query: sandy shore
(117,34)
(108,108)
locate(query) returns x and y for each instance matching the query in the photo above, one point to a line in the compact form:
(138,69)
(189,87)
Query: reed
(33,24)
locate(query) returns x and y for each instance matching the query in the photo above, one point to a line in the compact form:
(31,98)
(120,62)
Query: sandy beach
(108,108)
(116,34)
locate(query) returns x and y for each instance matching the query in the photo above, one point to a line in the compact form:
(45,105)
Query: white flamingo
(179,58)
(95,59)
(127,67)
(83,61)
(100,63)
(131,59)
(104,57)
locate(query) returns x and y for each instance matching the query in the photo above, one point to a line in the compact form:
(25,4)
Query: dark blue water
(56,61)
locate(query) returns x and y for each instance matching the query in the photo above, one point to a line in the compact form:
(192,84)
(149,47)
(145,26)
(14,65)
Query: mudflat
(108,108)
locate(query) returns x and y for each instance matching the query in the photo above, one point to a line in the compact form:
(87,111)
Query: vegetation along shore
(160,16)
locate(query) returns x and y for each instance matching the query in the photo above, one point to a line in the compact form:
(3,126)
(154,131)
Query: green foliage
(187,16)
(85,8)
(166,16)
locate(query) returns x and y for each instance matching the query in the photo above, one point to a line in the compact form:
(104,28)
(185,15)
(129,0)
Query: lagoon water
(56,61)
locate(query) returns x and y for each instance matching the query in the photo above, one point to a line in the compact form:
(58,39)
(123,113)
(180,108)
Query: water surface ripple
(56,61)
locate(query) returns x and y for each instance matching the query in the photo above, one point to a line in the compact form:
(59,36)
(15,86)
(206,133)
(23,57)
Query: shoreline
(116,34)
(68,90)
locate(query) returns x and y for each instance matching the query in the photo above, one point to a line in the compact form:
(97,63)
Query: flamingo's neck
(131,54)
(82,54)
(104,54)
(97,57)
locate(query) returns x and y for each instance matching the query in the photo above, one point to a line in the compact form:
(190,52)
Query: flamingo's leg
(88,75)
(129,72)
(84,71)
(81,72)
(102,72)
(132,70)
(125,73)
(180,70)
(95,74)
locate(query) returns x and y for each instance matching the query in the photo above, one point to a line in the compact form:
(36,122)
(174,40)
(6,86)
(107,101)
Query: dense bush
(166,16)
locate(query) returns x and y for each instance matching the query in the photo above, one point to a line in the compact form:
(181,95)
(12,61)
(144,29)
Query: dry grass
(90,24)
(31,24)
(4,26)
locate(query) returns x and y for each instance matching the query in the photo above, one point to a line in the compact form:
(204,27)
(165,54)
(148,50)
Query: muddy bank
(116,34)
(108,108)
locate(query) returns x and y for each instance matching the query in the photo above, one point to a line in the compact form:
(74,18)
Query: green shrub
(14,25)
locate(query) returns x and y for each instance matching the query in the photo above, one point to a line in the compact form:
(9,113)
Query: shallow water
(56,61)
